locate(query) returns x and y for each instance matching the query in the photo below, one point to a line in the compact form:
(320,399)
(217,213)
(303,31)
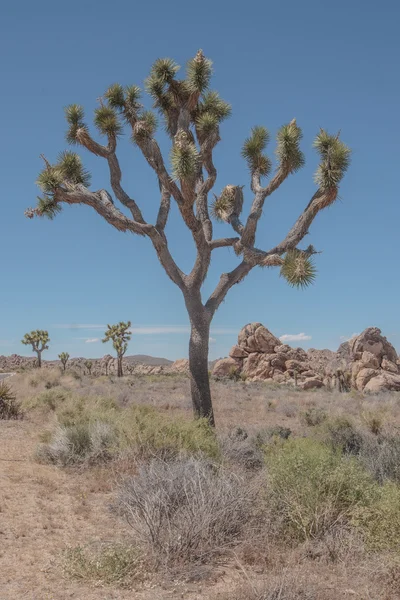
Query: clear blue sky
(329,64)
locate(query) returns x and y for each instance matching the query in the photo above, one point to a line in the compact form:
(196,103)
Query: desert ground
(66,531)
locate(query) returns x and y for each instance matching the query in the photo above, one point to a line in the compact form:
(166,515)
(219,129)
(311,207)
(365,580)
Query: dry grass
(60,540)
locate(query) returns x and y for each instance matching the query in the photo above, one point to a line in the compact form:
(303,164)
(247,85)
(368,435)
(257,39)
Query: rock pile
(369,361)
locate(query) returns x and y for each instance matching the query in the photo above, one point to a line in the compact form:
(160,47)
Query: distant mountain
(143,359)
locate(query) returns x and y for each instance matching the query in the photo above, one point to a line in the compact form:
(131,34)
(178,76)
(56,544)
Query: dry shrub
(341,434)
(9,407)
(112,564)
(283,589)
(186,511)
(313,416)
(381,456)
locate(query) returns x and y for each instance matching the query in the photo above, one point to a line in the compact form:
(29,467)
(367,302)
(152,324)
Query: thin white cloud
(151,329)
(79,326)
(213,340)
(295,337)
(92,341)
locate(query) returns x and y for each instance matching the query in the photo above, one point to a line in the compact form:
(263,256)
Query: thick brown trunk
(198,361)
(119,369)
(39,360)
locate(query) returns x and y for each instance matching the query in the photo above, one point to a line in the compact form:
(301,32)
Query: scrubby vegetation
(9,406)
(308,478)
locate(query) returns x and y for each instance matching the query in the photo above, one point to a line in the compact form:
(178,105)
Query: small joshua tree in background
(64,357)
(39,340)
(193,114)
(88,364)
(120,335)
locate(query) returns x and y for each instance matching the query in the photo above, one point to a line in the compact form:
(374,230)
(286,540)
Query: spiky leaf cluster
(36,337)
(229,202)
(184,157)
(252,151)
(164,70)
(198,73)
(119,334)
(71,169)
(288,150)
(107,121)
(74,114)
(67,172)
(145,127)
(213,104)
(298,269)
(335,160)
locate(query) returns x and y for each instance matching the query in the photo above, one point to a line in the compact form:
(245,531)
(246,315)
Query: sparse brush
(186,511)
(105,563)
(9,407)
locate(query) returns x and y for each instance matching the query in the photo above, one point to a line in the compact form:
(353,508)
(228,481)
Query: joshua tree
(192,116)
(120,335)
(64,357)
(88,364)
(38,340)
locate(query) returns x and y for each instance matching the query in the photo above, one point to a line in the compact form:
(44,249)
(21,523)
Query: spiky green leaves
(298,268)
(164,70)
(288,150)
(67,172)
(115,95)
(119,334)
(107,121)
(228,203)
(71,169)
(214,105)
(74,114)
(335,160)
(252,151)
(184,157)
(198,73)
(145,127)
(38,339)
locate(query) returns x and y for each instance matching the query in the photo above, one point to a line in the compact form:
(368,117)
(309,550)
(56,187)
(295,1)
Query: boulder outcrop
(368,362)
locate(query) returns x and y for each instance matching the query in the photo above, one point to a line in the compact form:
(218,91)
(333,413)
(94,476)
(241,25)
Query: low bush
(281,590)
(313,416)
(313,488)
(186,511)
(380,454)
(116,564)
(380,521)
(341,434)
(85,442)
(10,408)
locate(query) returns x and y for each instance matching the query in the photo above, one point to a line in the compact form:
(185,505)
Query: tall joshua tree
(120,335)
(39,340)
(193,115)
(64,357)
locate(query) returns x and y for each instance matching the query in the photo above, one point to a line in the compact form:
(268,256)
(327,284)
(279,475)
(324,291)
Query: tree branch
(319,201)
(249,231)
(102,203)
(223,242)
(121,195)
(226,281)
(163,211)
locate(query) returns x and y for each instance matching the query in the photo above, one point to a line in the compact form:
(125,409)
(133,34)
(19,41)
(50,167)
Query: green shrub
(48,400)
(313,487)
(380,522)
(152,433)
(115,564)
(9,407)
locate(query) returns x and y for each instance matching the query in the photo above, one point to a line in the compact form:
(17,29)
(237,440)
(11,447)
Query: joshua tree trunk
(39,359)
(119,368)
(198,360)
